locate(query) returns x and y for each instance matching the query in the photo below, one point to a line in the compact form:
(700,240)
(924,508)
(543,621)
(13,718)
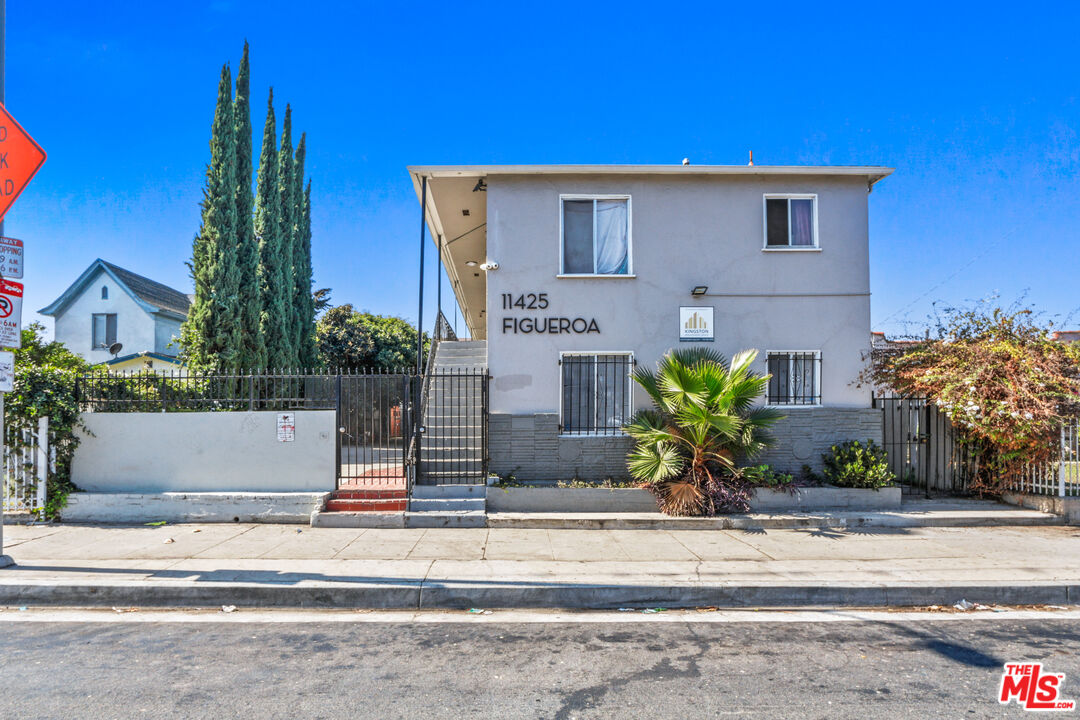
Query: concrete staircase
(438,506)
(452,491)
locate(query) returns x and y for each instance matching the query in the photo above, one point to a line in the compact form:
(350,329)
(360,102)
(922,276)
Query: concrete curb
(444,595)
(763,521)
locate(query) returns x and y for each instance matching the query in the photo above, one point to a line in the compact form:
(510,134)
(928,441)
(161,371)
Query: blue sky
(975,106)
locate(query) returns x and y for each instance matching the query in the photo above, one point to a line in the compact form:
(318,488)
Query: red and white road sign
(20,159)
(11,258)
(11,295)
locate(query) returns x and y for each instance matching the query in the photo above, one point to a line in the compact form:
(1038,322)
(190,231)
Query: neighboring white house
(109,305)
(574,275)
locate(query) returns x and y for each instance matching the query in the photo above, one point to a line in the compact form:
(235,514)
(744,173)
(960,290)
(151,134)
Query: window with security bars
(595,393)
(795,378)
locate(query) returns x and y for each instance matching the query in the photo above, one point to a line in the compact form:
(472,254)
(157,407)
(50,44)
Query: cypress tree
(308,353)
(211,334)
(287,230)
(252,351)
(268,232)
(305,314)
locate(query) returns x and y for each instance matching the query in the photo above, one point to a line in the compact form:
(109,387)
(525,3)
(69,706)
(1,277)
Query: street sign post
(11,258)
(20,159)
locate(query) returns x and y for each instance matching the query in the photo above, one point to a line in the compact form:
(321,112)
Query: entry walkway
(264,565)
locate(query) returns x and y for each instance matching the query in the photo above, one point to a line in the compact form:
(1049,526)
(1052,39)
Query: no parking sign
(11,294)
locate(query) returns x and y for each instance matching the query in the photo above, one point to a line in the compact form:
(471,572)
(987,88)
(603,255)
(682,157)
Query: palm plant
(703,421)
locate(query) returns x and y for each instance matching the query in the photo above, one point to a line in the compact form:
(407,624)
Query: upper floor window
(103,330)
(595,235)
(790,222)
(794,378)
(104,292)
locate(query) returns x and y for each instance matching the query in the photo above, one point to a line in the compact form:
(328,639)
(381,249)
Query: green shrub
(855,465)
(764,476)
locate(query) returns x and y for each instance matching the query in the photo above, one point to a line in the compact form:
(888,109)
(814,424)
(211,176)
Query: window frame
(93,322)
(765,246)
(819,401)
(563,197)
(563,432)
(104,292)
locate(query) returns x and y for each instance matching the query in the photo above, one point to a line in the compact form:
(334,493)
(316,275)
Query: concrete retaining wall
(204,452)
(126,508)
(635,500)
(1069,508)
(530,446)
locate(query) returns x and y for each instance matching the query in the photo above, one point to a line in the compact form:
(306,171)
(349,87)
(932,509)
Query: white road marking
(242,615)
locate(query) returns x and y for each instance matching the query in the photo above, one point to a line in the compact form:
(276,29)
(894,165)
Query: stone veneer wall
(806,433)
(529,446)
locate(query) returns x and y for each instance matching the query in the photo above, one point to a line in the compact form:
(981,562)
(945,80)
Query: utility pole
(5,560)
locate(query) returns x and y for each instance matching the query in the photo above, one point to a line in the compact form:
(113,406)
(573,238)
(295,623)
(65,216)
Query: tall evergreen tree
(308,353)
(287,214)
(252,352)
(211,334)
(305,314)
(272,259)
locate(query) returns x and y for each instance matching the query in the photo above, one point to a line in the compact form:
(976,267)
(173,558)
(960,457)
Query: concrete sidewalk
(294,566)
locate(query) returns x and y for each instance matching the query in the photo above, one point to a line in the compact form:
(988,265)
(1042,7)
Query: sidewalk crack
(423,584)
(749,545)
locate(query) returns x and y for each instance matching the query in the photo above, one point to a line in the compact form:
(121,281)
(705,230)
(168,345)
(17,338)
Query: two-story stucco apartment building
(575,274)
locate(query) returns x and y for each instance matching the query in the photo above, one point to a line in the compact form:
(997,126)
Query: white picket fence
(27,464)
(1060,478)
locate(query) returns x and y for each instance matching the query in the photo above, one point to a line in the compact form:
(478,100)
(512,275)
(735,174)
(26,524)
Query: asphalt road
(880,669)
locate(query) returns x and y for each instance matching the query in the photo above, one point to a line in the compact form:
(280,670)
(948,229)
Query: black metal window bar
(795,378)
(596,393)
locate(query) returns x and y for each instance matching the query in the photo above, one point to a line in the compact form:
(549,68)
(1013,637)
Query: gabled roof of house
(150,295)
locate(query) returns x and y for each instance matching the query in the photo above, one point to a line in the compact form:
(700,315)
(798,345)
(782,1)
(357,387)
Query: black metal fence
(183,391)
(922,446)
(393,428)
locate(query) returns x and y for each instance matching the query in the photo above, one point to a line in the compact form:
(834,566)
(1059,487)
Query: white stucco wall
(166,331)
(686,232)
(204,452)
(134,326)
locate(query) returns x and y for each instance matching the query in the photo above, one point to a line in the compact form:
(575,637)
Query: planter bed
(636,500)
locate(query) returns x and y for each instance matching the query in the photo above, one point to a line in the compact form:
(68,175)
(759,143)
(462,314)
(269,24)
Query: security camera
(489,266)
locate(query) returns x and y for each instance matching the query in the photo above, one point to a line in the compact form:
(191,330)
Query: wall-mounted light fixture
(470,263)
(699,290)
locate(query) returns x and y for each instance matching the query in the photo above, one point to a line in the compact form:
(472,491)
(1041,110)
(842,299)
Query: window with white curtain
(595,235)
(790,222)
(102,330)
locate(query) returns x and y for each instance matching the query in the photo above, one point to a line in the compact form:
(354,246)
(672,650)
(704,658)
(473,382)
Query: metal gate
(452,440)
(374,421)
(396,430)
(921,445)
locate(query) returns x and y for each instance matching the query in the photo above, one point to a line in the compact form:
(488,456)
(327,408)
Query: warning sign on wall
(286,427)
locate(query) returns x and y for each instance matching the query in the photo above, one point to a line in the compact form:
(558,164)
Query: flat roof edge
(447,171)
